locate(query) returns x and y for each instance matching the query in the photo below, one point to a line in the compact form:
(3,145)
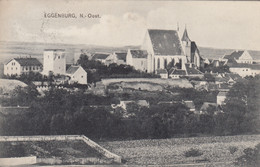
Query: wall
(17,161)
(91,143)
(179,83)
(140,64)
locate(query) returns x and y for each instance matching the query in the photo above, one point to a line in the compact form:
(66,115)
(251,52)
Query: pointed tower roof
(185,36)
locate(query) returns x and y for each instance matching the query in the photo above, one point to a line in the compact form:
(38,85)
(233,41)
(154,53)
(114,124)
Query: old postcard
(129,83)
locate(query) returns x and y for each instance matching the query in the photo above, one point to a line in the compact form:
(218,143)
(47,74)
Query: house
(165,46)
(54,60)
(207,107)
(123,104)
(18,66)
(221,98)
(191,70)
(244,70)
(190,105)
(102,57)
(137,59)
(77,74)
(239,57)
(116,57)
(162,72)
(176,73)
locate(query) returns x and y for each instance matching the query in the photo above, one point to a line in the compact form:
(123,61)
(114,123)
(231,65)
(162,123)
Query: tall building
(165,46)
(54,60)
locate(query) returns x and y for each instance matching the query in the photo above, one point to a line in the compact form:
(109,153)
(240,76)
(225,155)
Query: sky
(218,24)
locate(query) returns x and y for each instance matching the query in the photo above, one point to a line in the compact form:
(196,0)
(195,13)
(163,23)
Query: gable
(245,56)
(165,42)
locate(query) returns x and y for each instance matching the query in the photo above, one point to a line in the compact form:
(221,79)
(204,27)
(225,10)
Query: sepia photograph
(120,83)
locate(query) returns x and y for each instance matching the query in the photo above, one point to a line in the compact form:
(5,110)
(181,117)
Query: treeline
(97,70)
(62,112)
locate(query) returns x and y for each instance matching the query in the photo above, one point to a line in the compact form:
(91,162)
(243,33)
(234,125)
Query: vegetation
(97,70)
(193,153)
(250,158)
(160,152)
(64,112)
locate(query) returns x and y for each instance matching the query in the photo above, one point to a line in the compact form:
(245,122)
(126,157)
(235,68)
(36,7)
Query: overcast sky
(231,24)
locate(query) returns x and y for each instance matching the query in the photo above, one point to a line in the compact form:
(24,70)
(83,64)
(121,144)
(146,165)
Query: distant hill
(10,50)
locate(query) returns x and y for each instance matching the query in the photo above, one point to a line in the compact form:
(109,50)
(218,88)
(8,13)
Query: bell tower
(186,42)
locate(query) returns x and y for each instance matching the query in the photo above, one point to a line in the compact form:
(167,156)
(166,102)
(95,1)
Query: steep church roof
(165,42)
(185,36)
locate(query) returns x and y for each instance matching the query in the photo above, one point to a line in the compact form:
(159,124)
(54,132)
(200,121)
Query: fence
(91,143)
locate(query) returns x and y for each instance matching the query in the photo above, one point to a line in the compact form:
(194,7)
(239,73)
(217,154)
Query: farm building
(18,66)
(77,74)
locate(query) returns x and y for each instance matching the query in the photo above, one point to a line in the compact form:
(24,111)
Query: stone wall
(17,161)
(91,143)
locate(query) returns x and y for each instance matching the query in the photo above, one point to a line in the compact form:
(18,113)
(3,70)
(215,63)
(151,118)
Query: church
(165,46)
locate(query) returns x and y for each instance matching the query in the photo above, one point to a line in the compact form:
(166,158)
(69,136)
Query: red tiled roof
(234,55)
(192,70)
(72,69)
(28,61)
(121,56)
(165,42)
(100,56)
(139,53)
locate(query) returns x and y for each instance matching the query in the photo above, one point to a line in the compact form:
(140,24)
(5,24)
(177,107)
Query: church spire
(185,36)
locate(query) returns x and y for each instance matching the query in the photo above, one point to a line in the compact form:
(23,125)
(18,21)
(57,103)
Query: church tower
(186,42)
(54,60)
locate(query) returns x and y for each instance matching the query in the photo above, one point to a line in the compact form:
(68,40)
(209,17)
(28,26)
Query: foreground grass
(219,149)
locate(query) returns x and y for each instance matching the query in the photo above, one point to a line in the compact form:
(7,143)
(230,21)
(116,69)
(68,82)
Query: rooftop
(28,61)
(139,53)
(165,42)
(72,69)
(121,56)
(100,56)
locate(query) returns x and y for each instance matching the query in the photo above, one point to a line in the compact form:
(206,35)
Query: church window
(158,63)
(165,63)
(58,57)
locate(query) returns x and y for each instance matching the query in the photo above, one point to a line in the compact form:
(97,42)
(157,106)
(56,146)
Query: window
(11,68)
(82,76)
(16,68)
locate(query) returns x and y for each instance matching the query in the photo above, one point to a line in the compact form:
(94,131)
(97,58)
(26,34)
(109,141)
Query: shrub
(193,153)
(232,149)
(251,157)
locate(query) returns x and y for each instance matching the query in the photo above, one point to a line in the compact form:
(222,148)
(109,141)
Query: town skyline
(125,23)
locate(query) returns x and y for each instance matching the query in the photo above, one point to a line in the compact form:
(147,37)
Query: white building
(165,46)
(138,59)
(245,69)
(77,74)
(18,66)
(116,57)
(54,60)
(239,57)
(102,57)
(221,97)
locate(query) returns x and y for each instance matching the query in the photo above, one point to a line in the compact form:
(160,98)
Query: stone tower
(54,60)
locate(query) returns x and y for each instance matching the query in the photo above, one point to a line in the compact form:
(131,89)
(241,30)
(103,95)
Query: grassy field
(216,151)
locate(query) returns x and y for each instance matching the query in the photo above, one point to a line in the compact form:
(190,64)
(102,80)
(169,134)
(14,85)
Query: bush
(193,153)
(232,149)
(251,157)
